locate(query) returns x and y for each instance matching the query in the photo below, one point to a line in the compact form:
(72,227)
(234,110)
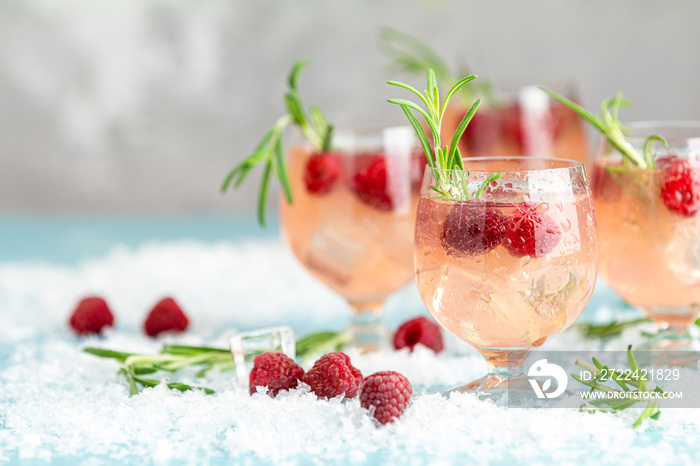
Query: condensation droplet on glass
(566,225)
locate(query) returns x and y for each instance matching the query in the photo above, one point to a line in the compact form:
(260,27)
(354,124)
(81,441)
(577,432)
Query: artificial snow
(58,404)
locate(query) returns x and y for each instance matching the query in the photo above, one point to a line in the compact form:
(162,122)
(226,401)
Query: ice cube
(338,247)
(683,253)
(245,345)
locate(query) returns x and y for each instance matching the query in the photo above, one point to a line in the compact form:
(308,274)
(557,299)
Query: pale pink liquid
(497,301)
(362,252)
(509,131)
(648,254)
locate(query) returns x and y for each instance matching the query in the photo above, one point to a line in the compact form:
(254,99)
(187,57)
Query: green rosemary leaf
(611,329)
(407,103)
(582,112)
(296,71)
(460,131)
(318,120)
(293,105)
(422,138)
(412,89)
(184,387)
(439,156)
(133,389)
(190,350)
(417,53)
(270,151)
(649,146)
(609,126)
(327,138)
(104,353)
(432,95)
(652,408)
(489,179)
(263,193)
(280,169)
(453,90)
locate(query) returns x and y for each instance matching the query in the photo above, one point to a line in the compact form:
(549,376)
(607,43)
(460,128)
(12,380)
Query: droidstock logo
(542,368)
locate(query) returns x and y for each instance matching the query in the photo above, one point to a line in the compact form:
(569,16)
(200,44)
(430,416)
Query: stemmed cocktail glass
(505,257)
(649,228)
(352,219)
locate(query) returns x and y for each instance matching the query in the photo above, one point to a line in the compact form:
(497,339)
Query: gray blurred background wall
(143,105)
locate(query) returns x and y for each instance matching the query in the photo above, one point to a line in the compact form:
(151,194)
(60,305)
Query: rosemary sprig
(173,358)
(615,328)
(636,379)
(610,329)
(413,56)
(613,130)
(448,156)
(269,152)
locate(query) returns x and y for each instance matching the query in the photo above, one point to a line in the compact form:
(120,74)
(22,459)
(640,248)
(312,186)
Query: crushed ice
(59,403)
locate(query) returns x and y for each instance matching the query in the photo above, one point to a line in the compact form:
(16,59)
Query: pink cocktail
(352,220)
(649,229)
(507,263)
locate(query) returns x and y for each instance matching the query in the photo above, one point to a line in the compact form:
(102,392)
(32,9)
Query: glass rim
(663,124)
(566,164)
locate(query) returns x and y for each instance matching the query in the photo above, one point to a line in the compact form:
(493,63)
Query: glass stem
(505,364)
(369,333)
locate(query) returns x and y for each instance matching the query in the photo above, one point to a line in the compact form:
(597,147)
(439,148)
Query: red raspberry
(91,315)
(371,185)
(680,190)
(165,316)
(530,233)
(333,375)
(419,330)
(276,371)
(386,395)
(322,172)
(471,229)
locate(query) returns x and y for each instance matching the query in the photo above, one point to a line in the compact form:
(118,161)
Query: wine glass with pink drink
(348,208)
(505,247)
(646,187)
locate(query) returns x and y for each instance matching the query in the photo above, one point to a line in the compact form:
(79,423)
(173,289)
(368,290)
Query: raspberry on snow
(276,371)
(419,330)
(333,375)
(91,315)
(165,316)
(386,395)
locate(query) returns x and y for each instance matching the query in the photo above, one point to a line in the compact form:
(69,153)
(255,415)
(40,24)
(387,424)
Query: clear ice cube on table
(246,345)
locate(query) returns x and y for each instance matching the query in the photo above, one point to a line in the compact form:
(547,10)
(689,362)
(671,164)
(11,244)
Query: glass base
(503,391)
(671,346)
(673,338)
